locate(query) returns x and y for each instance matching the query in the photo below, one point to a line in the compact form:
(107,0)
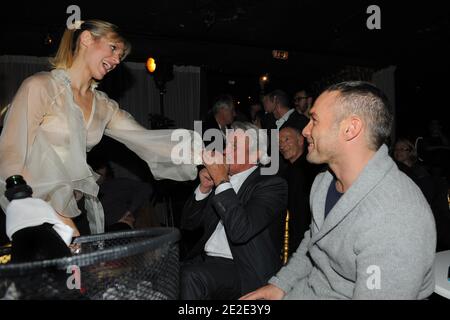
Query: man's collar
(284,118)
(244,174)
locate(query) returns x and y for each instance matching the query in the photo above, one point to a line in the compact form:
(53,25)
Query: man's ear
(86,38)
(352,127)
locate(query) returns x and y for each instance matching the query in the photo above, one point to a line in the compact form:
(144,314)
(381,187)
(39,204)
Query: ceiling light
(151,65)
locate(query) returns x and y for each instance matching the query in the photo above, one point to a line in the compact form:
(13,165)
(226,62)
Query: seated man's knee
(193,283)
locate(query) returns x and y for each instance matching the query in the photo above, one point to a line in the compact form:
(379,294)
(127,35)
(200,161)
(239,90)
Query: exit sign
(280,54)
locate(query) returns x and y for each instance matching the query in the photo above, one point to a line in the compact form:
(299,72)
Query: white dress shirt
(223,130)
(217,245)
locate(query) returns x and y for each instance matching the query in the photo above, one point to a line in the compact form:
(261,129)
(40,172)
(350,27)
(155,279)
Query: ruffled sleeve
(27,149)
(22,120)
(170,154)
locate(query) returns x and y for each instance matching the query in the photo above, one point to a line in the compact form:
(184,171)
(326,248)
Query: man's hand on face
(206,182)
(214,162)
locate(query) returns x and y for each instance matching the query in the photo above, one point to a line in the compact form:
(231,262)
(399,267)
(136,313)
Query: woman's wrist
(70,223)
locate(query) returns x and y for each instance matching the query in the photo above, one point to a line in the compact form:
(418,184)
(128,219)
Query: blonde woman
(56,117)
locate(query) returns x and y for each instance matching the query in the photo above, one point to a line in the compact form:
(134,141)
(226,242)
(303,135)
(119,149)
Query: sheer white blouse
(45,138)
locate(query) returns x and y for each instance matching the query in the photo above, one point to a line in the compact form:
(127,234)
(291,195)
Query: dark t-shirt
(333,197)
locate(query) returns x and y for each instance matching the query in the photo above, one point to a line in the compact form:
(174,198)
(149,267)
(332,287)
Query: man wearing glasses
(303,102)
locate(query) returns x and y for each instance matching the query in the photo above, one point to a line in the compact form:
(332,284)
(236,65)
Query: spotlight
(263,80)
(48,39)
(151,65)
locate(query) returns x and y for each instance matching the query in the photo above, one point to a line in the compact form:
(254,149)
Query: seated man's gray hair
(257,139)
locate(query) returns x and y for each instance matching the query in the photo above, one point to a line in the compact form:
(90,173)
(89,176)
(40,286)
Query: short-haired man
(220,118)
(303,102)
(277,102)
(299,174)
(237,208)
(372,233)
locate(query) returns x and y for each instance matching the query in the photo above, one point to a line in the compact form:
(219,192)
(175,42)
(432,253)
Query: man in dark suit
(303,101)
(277,104)
(299,174)
(236,206)
(219,119)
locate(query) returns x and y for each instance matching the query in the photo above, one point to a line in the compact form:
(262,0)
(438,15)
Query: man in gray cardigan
(372,234)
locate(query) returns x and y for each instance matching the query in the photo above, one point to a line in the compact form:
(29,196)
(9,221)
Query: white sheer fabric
(45,138)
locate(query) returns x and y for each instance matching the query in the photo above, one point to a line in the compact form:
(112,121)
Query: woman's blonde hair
(68,48)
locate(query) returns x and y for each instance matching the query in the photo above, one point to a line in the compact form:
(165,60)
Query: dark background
(233,41)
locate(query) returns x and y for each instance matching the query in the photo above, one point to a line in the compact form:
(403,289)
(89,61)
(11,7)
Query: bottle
(30,239)
(17,188)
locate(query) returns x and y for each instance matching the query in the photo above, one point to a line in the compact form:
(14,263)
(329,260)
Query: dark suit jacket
(211,123)
(268,121)
(296,120)
(248,218)
(300,177)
